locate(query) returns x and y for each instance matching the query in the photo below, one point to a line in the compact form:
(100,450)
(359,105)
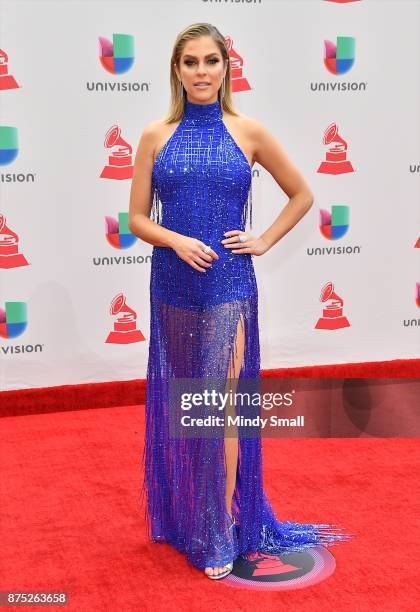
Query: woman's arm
(139,222)
(187,248)
(271,155)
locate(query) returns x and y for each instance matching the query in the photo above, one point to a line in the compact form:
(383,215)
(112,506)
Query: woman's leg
(231,432)
(231,440)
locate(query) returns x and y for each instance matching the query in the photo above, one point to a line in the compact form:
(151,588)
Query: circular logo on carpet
(283,572)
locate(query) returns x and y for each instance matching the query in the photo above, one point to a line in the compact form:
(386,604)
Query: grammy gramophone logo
(120,161)
(332,313)
(9,249)
(417,245)
(7,81)
(257,565)
(336,161)
(125,331)
(238,81)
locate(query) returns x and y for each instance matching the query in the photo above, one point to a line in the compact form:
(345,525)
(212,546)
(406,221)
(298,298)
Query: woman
(192,175)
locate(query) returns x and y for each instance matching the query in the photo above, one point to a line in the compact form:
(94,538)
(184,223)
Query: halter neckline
(203,113)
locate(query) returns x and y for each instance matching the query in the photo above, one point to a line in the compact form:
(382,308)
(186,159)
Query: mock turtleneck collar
(203,113)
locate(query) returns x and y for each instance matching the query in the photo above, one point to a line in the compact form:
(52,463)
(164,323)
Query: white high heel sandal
(229,568)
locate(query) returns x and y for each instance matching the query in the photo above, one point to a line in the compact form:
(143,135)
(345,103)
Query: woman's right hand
(190,250)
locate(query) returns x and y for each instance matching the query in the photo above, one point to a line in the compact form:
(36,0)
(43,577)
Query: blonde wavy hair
(178,97)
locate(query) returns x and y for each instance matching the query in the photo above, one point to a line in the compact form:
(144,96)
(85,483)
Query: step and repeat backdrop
(336,82)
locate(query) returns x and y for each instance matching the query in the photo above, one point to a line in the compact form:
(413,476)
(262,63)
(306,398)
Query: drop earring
(222,89)
(181,89)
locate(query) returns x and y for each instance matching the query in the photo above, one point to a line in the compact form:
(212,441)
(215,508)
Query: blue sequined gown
(201,187)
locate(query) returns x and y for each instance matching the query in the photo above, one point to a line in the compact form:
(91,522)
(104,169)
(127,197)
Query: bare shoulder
(153,130)
(156,133)
(253,127)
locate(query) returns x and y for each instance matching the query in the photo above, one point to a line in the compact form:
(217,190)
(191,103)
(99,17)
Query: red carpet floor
(71,518)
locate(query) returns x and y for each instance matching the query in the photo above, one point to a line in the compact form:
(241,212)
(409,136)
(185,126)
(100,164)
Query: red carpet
(71,519)
(18,402)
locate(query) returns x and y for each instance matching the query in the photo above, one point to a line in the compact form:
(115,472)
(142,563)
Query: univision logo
(119,237)
(117,57)
(339,58)
(117,232)
(8,144)
(414,322)
(13,322)
(13,319)
(334,225)
(9,149)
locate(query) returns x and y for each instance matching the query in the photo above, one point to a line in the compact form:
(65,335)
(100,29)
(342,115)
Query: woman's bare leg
(231,440)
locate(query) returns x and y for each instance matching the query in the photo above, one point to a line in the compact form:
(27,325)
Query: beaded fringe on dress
(184,479)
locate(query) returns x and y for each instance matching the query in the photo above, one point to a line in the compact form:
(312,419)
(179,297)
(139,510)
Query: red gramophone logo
(7,81)
(120,161)
(336,161)
(264,564)
(125,331)
(238,82)
(417,245)
(9,255)
(332,313)
(282,572)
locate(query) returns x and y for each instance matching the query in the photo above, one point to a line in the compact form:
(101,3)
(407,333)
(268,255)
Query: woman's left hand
(252,245)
